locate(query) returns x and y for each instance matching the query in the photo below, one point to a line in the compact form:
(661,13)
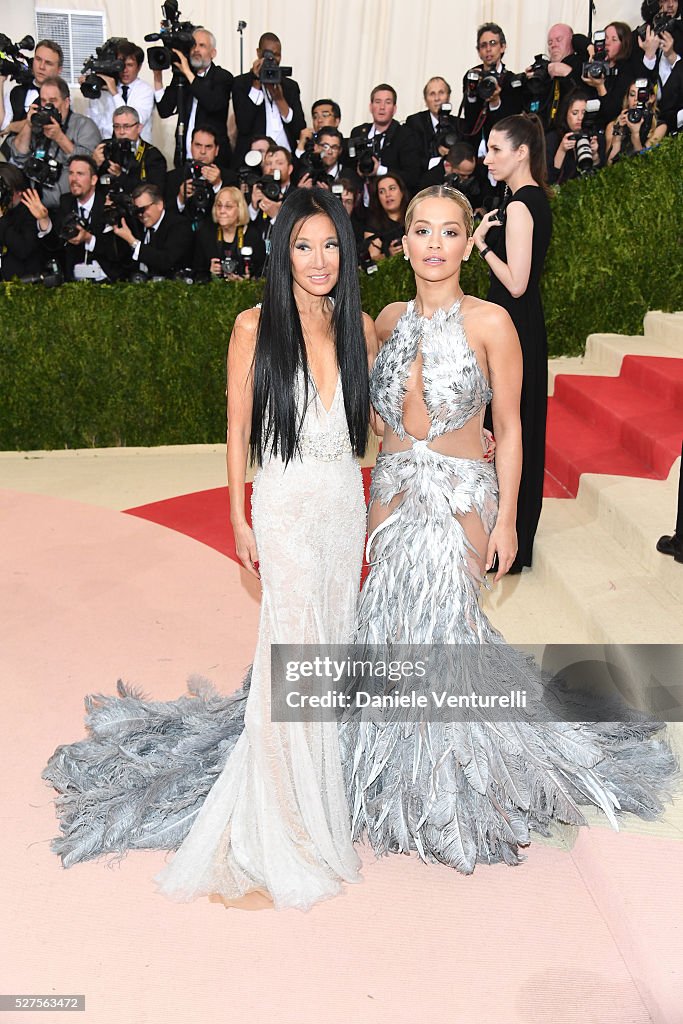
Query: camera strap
(140,159)
(555,101)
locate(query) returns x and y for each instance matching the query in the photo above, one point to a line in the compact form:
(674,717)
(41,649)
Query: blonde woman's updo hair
(442,192)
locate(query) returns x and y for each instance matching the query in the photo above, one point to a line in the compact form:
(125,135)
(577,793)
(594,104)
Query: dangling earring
(405,257)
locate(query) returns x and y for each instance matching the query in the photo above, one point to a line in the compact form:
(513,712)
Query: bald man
(564,71)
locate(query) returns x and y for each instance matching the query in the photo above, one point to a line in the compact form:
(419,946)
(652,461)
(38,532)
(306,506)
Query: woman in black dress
(224,241)
(515,254)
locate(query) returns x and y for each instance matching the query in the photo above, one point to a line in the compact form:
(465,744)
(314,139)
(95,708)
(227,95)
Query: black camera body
(447,131)
(13,63)
(470,187)
(51,276)
(598,67)
(41,168)
(71,225)
(365,151)
(589,130)
(44,115)
(538,76)
(271,72)
(173,35)
(641,111)
(270,185)
(119,205)
(105,61)
(311,163)
(200,202)
(119,151)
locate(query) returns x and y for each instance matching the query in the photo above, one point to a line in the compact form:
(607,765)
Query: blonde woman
(626,136)
(223,243)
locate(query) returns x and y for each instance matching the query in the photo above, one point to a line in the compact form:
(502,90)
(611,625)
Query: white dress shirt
(274,120)
(140,96)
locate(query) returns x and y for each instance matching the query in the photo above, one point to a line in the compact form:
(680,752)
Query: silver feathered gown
(459,792)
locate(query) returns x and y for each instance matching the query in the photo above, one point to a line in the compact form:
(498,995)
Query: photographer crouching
(21,252)
(50,135)
(228,245)
(76,232)
(574,147)
(162,242)
(191,188)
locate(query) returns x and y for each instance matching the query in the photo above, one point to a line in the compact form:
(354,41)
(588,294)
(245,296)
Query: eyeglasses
(142,209)
(328,148)
(132,125)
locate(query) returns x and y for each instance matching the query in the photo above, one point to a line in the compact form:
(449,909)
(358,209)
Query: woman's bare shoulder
(486,315)
(388,318)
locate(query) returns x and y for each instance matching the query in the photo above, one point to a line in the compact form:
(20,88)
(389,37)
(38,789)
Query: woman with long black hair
(515,254)
(275,820)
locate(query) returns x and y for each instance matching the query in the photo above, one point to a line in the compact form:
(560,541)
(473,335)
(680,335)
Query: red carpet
(630,425)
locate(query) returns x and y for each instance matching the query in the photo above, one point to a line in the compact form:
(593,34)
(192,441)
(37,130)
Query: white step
(666,328)
(615,597)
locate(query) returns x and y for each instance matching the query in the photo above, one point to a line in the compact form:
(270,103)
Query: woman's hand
(245,545)
(487,223)
(568,142)
(502,542)
(215,268)
(490,449)
(395,247)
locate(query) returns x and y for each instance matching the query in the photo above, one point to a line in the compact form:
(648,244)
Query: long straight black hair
(280,348)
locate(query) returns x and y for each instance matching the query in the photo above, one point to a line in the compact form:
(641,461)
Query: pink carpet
(586,933)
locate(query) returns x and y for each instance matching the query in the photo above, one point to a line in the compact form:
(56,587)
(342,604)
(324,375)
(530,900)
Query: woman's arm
(519,234)
(504,358)
(240,397)
(372,344)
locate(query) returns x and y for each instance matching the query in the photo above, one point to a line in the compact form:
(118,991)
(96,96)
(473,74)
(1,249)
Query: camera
(311,163)
(41,168)
(365,151)
(45,113)
(71,225)
(118,207)
(538,76)
(271,72)
(237,264)
(470,187)
(270,186)
(657,20)
(641,109)
(119,151)
(589,130)
(51,276)
(174,35)
(447,132)
(200,202)
(105,63)
(598,67)
(13,63)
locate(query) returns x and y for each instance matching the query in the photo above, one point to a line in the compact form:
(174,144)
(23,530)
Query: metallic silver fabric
(462,792)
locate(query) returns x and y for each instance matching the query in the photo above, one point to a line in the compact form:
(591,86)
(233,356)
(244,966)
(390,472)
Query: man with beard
(203,101)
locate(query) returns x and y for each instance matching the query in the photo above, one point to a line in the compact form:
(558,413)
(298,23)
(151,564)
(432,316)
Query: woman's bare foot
(257,899)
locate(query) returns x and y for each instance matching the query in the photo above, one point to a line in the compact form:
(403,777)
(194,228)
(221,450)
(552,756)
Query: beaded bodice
(454,386)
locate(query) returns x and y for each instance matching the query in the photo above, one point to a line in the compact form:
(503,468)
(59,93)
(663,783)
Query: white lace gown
(277,817)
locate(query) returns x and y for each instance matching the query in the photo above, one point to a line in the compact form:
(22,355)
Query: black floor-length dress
(527,316)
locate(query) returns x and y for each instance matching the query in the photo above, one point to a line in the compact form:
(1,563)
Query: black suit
(111,252)
(478,119)
(150,169)
(251,117)
(17,101)
(418,146)
(22,252)
(212,92)
(169,248)
(671,99)
(178,175)
(390,153)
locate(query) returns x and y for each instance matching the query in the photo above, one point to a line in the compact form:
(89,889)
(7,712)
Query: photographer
(209,89)
(671,96)
(191,189)
(21,251)
(490,91)
(324,114)
(128,91)
(615,60)
(548,86)
(272,108)
(662,19)
(352,201)
(58,133)
(138,161)
(378,142)
(161,241)
(76,232)
(321,158)
(636,128)
(385,225)
(229,245)
(270,190)
(461,169)
(46,62)
(428,134)
(565,155)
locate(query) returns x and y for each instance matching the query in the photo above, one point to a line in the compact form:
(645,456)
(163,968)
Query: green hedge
(85,366)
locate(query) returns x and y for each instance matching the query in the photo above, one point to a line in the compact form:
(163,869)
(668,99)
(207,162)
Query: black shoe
(671,545)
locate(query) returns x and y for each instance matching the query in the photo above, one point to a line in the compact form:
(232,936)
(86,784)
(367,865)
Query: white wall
(341,48)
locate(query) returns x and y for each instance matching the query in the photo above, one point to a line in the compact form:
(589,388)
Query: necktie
(124,92)
(83,214)
(148,235)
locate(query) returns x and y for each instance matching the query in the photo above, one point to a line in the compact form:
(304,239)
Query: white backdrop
(341,48)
